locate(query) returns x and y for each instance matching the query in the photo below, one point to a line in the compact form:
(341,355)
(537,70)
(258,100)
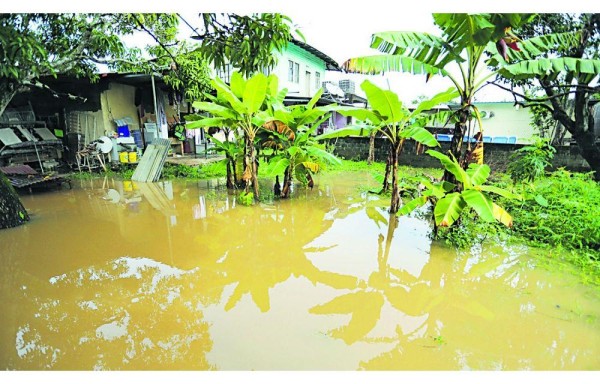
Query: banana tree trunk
(287,181)
(254,173)
(230,172)
(250,167)
(395,199)
(388,168)
(371,156)
(457,140)
(12,212)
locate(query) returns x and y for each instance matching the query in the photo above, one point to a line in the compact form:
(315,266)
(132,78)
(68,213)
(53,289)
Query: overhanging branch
(149,32)
(529,98)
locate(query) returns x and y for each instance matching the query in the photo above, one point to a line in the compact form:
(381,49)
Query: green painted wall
(307,63)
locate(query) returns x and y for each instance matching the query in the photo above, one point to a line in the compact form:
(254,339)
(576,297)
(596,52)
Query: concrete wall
(496,155)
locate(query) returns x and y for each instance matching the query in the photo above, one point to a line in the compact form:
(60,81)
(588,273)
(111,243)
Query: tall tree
(458,55)
(565,66)
(246,42)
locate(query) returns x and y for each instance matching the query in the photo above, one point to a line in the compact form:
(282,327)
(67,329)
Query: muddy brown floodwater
(176,276)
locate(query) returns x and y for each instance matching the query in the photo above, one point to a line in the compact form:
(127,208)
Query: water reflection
(175,275)
(116,316)
(470,310)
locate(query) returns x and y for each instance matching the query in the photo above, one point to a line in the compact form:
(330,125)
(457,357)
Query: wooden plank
(159,162)
(155,164)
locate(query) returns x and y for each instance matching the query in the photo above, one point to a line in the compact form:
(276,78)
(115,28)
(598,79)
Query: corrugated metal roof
(18,170)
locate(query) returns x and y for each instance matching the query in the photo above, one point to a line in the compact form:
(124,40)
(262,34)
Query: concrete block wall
(496,155)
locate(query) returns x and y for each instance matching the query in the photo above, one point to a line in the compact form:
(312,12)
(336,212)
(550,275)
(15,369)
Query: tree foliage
(565,65)
(458,54)
(246,42)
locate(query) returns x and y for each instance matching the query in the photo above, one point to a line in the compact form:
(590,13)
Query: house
(300,68)
(133,108)
(503,123)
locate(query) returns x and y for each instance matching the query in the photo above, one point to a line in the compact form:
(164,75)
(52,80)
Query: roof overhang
(330,64)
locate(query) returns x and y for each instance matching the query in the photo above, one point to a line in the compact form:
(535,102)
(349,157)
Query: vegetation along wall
(496,155)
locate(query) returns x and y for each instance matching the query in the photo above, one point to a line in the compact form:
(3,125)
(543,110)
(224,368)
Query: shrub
(530,162)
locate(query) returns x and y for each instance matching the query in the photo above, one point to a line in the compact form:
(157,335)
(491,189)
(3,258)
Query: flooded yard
(113,275)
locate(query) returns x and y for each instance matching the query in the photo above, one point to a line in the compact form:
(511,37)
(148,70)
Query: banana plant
(230,148)
(395,122)
(243,105)
(232,152)
(450,204)
(458,55)
(295,151)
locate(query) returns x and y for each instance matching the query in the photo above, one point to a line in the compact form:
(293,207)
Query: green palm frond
(463,30)
(391,63)
(530,48)
(584,69)
(421,46)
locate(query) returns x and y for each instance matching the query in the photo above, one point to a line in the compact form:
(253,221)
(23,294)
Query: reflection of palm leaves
(365,308)
(417,301)
(376,216)
(256,263)
(260,296)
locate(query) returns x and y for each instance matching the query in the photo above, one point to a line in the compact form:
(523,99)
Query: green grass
(562,209)
(194,172)
(560,213)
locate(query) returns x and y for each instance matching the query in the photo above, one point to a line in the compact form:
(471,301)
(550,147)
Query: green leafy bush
(560,210)
(246,198)
(530,162)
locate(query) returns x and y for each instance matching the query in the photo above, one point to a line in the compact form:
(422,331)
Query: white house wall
(506,121)
(307,63)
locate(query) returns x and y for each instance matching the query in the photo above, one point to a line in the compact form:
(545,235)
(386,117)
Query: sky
(340,29)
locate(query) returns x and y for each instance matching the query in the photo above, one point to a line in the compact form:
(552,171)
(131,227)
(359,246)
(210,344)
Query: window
(293,72)
(224,73)
(318,80)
